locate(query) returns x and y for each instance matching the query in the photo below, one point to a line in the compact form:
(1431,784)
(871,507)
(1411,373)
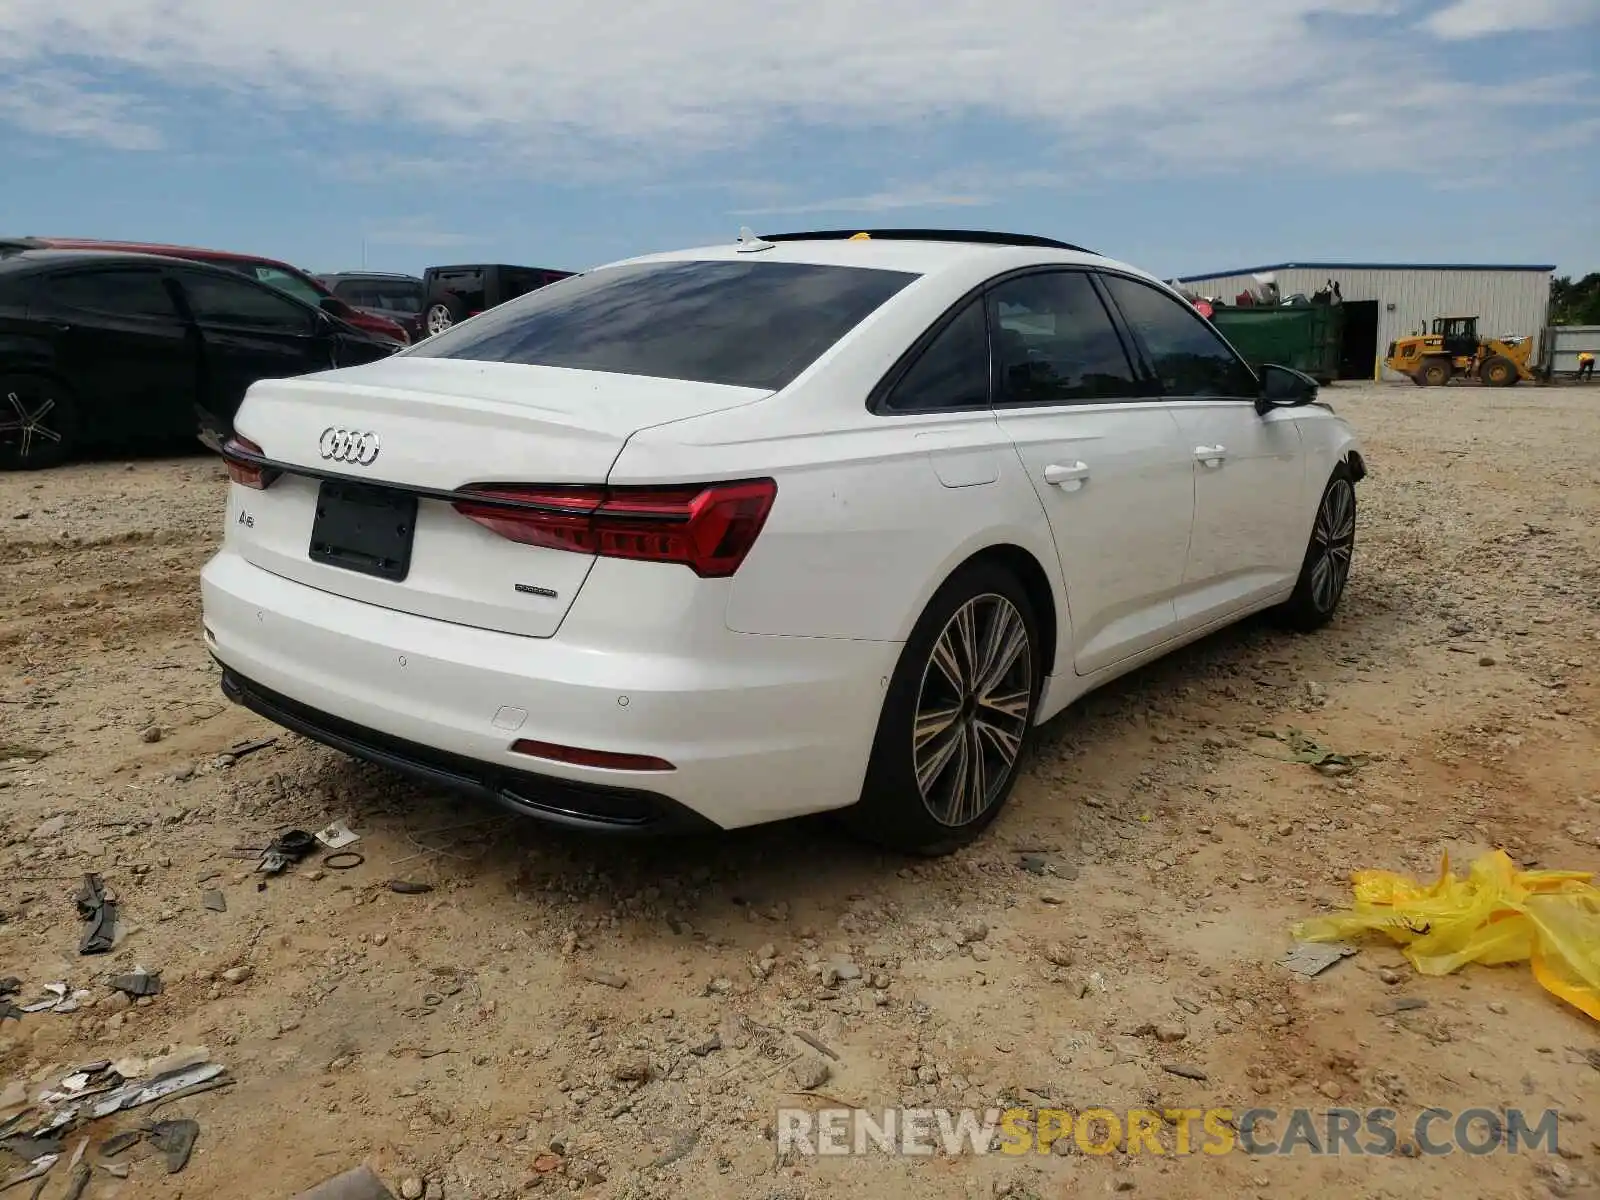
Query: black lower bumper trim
(563,802)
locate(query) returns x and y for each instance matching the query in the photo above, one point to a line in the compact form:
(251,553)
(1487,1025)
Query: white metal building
(1384,301)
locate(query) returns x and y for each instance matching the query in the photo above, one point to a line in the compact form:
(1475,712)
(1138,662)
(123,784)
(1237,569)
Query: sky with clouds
(1183,135)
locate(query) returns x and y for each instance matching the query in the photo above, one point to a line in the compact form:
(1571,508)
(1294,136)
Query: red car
(268,270)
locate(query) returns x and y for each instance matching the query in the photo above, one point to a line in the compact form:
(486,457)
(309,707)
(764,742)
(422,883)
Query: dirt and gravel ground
(458,1040)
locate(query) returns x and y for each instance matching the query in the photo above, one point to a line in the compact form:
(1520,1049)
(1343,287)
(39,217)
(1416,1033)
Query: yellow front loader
(1455,351)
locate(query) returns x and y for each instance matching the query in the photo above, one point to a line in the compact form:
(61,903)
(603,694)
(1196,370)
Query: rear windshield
(390,295)
(749,324)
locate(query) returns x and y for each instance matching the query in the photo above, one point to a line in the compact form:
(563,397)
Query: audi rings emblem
(348,446)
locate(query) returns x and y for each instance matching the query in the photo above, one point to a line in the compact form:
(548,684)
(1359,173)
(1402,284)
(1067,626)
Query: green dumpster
(1305,337)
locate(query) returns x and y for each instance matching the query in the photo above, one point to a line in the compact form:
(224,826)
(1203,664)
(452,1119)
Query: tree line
(1575,303)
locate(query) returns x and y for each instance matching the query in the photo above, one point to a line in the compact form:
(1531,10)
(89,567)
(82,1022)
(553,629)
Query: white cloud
(1107,85)
(1480,18)
(1574,135)
(64,104)
(418,232)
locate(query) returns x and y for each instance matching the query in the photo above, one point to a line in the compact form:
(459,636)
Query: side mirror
(1284,387)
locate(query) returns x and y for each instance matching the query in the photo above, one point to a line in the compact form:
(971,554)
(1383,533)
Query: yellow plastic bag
(1495,914)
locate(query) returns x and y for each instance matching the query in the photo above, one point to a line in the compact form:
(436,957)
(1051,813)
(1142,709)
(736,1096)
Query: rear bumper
(559,801)
(758,728)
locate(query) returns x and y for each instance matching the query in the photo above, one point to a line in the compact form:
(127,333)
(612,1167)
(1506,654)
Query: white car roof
(919,257)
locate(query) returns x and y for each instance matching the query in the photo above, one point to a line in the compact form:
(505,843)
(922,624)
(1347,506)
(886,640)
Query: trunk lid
(441,425)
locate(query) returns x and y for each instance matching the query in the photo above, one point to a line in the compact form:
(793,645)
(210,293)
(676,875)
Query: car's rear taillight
(236,452)
(708,528)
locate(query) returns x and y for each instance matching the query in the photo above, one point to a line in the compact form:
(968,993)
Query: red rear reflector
(590,758)
(249,474)
(708,528)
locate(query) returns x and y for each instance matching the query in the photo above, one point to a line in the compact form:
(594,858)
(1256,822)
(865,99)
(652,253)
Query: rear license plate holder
(365,529)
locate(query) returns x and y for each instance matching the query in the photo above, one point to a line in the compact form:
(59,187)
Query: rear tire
(39,422)
(1498,371)
(1325,570)
(956,719)
(442,313)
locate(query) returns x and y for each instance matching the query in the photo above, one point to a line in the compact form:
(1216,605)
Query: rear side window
(747,324)
(952,372)
(285,282)
(219,300)
(1055,343)
(514,283)
(466,286)
(1188,357)
(121,293)
(388,295)
(356,292)
(396,295)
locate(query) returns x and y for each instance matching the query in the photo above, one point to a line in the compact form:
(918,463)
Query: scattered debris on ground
(1301,747)
(1494,914)
(57,998)
(337,836)
(98,911)
(1309,958)
(174,1139)
(138,983)
(357,1184)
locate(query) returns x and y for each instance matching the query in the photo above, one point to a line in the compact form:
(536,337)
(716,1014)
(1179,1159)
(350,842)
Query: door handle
(1212,456)
(1070,476)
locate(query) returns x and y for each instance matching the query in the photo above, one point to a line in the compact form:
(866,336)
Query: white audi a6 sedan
(805,522)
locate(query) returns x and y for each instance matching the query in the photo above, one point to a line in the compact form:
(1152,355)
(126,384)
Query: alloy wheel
(972,710)
(1333,542)
(26,423)
(439,319)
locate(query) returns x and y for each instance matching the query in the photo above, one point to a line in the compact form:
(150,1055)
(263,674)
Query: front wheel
(957,715)
(38,422)
(1434,374)
(1325,570)
(1499,371)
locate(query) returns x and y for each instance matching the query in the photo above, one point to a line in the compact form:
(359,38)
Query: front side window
(953,369)
(221,300)
(120,293)
(1055,343)
(745,323)
(1188,357)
